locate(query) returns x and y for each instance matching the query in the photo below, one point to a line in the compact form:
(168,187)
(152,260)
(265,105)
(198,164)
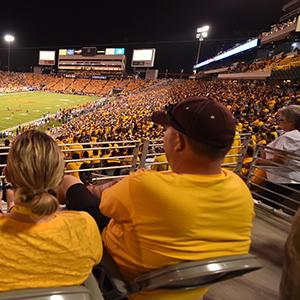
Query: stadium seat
(186,275)
(88,291)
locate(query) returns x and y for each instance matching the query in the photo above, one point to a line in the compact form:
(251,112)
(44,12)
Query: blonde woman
(41,247)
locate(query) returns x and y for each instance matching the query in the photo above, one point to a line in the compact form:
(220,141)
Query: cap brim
(160,118)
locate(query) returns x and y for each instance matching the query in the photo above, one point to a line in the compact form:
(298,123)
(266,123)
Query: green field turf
(20,108)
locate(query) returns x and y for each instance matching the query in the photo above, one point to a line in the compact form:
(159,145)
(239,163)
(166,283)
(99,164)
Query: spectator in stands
(74,165)
(41,247)
(284,177)
(198,211)
(96,158)
(161,161)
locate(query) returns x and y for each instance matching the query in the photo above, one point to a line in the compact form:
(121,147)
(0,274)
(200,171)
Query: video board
(89,60)
(47,58)
(142,58)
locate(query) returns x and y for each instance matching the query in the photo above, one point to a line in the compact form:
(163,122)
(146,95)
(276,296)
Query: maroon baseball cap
(202,119)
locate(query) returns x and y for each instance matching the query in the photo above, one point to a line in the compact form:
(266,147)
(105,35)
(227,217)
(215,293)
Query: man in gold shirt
(197,211)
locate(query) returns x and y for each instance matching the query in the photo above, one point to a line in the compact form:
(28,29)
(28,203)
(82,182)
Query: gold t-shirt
(160,219)
(60,252)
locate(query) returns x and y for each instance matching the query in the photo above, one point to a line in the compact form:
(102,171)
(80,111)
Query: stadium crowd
(278,27)
(127,115)
(254,104)
(281,61)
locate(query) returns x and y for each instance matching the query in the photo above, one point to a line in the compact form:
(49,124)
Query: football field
(20,108)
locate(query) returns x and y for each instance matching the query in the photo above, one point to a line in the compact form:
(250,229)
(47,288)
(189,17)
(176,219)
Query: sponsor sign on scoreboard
(114,51)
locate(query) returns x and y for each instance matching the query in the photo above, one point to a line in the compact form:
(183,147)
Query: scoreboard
(143,58)
(89,60)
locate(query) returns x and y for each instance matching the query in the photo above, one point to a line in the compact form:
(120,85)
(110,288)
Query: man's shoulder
(146,177)
(232,178)
(145,173)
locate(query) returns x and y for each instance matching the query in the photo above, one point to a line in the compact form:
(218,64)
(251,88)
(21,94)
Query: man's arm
(67,182)
(76,196)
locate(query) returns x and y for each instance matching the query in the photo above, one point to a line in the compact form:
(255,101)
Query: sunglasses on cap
(169,108)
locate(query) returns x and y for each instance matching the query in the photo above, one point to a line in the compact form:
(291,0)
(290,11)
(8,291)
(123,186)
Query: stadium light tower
(202,33)
(9,39)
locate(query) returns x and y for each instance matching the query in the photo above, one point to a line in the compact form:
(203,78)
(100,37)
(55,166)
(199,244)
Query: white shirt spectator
(290,142)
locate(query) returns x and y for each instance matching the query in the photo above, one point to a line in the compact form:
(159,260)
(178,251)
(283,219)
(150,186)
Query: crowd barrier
(275,184)
(120,158)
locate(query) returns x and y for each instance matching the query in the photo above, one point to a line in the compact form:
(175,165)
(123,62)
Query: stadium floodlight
(203,29)
(201,34)
(9,39)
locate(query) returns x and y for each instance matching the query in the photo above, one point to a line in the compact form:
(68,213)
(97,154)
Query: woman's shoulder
(294,134)
(76,221)
(72,215)
(286,136)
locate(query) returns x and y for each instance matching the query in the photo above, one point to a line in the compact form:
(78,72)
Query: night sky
(169,26)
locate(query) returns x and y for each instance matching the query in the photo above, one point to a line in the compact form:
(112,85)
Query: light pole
(202,33)
(9,39)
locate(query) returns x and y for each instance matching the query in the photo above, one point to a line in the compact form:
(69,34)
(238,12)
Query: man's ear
(179,142)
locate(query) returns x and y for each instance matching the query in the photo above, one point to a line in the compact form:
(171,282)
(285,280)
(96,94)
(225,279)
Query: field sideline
(24,107)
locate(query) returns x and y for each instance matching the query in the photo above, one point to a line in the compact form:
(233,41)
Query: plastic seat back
(62,293)
(88,291)
(186,275)
(196,274)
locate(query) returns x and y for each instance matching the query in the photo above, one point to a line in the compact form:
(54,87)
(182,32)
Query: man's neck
(198,167)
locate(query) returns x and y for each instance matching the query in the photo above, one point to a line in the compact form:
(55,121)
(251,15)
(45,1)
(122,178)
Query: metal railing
(274,180)
(117,159)
(153,156)
(234,159)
